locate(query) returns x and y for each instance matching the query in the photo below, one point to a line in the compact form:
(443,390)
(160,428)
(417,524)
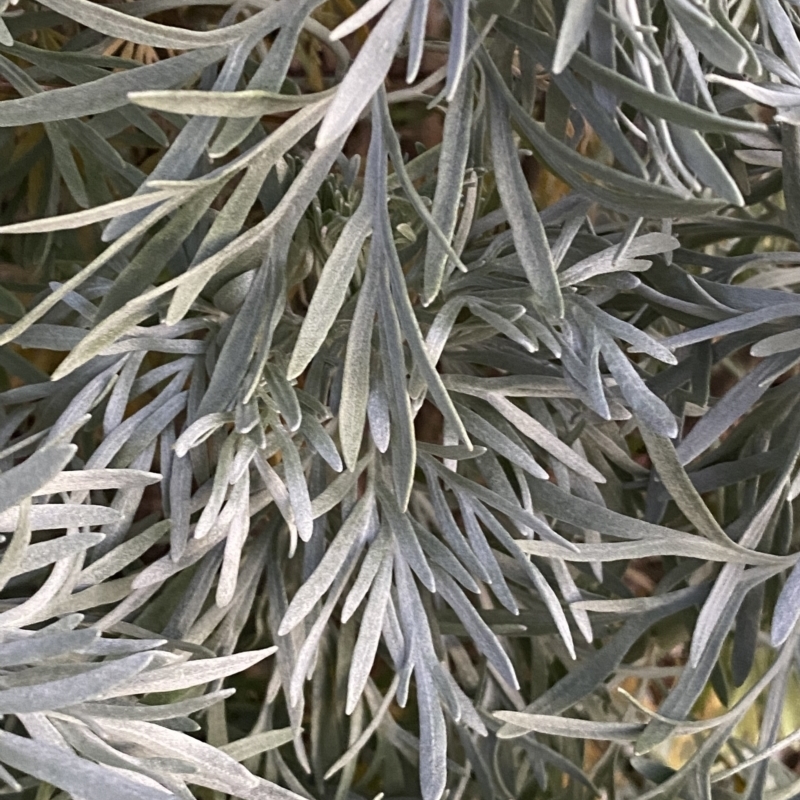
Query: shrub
(470,467)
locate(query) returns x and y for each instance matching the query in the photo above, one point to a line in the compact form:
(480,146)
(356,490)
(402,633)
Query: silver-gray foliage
(391,421)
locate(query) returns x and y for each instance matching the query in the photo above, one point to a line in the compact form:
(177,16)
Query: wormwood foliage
(465,496)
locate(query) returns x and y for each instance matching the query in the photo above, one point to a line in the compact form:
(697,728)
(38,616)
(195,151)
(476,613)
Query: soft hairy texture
(468,473)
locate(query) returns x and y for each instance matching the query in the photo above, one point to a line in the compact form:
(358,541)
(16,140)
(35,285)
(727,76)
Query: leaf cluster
(504,484)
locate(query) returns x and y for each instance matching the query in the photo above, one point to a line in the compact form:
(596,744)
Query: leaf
(736,402)
(526,225)
(212,767)
(771,94)
(531,574)
(258,743)
(433,738)
(446,522)
(104,94)
(358,18)
(149,262)
(583,679)
(33,649)
(366,74)
(726,591)
(402,176)
(790,142)
(52,300)
(641,98)
(323,576)
(500,443)
(705,164)
(486,642)
(443,557)
(355,380)
(285,399)
(486,557)
(97,479)
(612,258)
(89,216)
(457,57)
(200,430)
(122,555)
(578,17)
(235,541)
(18,546)
(230,105)
(680,488)
(27,478)
(188,286)
(695,677)
(408,321)
(378,549)
(52,695)
(53,517)
(449,185)
(651,410)
(534,430)
(274,67)
(551,500)
(787,609)
(740,322)
(408,544)
(782,27)
(69,772)
(316,435)
(150,712)
(331,290)
(296,485)
(112,22)
(337,489)
(404,444)
(308,652)
(44,553)
(622,551)
(516,513)
(191,673)
(779,343)
(454,452)
(369,633)
(564,726)
(5,35)
(248,330)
